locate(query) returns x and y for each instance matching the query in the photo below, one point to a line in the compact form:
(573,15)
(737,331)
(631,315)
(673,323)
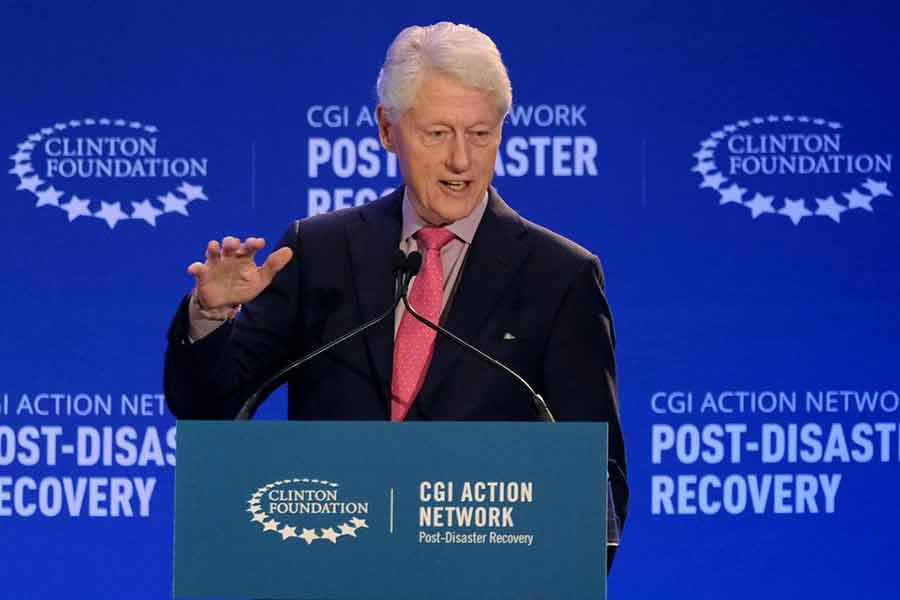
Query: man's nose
(458,159)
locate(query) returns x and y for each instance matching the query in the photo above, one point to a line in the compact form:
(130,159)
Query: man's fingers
(276,262)
(230,246)
(197,269)
(213,251)
(251,246)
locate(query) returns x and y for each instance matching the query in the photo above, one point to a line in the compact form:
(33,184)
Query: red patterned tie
(414,343)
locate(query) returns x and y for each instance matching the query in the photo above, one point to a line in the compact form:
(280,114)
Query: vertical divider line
(391,520)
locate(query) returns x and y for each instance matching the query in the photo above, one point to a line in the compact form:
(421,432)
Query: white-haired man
(521,293)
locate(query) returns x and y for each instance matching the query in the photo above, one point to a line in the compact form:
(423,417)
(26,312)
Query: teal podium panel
(390,510)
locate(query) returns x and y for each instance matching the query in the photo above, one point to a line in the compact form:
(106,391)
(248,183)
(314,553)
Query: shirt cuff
(203,322)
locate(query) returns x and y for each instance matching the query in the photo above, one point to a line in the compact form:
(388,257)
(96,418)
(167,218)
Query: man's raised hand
(230,276)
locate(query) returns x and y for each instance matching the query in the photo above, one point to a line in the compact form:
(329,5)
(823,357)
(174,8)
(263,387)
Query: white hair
(459,51)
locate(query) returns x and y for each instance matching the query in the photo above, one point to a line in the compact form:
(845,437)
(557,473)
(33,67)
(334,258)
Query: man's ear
(385,128)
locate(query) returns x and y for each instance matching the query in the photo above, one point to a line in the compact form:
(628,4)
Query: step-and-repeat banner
(735,168)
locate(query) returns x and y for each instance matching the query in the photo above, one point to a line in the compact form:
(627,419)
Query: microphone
(415,260)
(404,268)
(613,527)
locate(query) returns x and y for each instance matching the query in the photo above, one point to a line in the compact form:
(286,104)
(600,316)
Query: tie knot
(434,238)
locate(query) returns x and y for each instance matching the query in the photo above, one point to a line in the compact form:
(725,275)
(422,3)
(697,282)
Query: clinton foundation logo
(796,167)
(307,509)
(108,169)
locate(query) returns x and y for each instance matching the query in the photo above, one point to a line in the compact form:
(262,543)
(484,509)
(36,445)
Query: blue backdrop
(731,164)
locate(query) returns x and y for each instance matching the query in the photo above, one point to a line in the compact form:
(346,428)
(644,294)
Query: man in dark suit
(521,293)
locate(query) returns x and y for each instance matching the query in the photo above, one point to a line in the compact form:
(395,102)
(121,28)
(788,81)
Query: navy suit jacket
(519,279)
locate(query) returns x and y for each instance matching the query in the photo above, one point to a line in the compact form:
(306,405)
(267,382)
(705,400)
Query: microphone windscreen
(413,263)
(400,261)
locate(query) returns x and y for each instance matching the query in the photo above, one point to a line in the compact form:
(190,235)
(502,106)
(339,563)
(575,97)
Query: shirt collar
(464,228)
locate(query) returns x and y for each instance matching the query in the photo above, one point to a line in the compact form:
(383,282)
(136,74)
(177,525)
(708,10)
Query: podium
(293,509)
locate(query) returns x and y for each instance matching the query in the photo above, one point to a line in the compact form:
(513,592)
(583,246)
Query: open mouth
(454,185)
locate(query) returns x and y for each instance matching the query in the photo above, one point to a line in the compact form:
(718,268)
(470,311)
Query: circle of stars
(175,201)
(795,209)
(258,515)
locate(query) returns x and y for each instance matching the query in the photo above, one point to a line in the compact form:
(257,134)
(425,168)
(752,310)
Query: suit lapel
(373,241)
(497,250)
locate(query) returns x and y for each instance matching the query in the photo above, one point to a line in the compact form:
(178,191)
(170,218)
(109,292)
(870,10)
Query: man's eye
(437,134)
(481,136)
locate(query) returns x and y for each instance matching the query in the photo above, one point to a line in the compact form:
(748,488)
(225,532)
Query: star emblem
(876,188)
(111,213)
(732,193)
(47,130)
(709,143)
(271,525)
(21,155)
(795,210)
(829,208)
(358,522)
(347,530)
(254,509)
(173,203)
(259,517)
(703,154)
(760,204)
(21,169)
(331,535)
(857,199)
(730,128)
(288,532)
(76,207)
(717,135)
(49,197)
(309,535)
(704,167)
(25,146)
(146,211)
(35,137)
(30,183)
(150,129)
(713,181)
(192,192)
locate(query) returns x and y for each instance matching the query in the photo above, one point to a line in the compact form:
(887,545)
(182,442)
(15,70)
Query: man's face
(446,144)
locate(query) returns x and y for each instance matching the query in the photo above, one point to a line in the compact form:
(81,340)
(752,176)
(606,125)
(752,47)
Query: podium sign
(390,510)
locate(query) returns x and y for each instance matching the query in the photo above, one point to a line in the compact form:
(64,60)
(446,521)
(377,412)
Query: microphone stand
(403,268)
(539,403)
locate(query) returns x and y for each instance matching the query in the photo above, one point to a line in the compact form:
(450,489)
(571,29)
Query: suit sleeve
(211,378)
(580,369)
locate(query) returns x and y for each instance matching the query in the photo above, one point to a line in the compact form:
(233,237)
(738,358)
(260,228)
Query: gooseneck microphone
(404,269)
(613,527)
(540,405)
